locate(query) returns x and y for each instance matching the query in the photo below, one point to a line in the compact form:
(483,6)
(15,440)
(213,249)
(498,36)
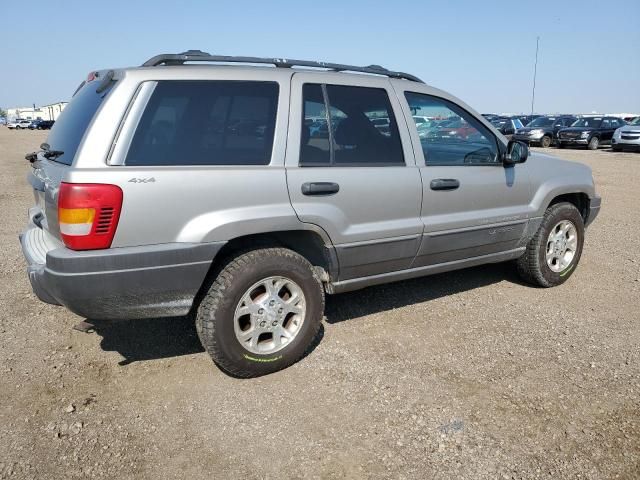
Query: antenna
(535,71)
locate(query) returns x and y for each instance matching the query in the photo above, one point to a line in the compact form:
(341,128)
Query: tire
(616,149)
(545,141)
(219,325)
(533,266)
(594,143)
(561,145)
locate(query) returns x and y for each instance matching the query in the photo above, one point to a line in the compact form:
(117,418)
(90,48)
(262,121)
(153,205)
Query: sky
(481,51)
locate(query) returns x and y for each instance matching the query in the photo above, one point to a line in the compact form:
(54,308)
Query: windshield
(635,121)
(541,122)
(587,122)
(67,132)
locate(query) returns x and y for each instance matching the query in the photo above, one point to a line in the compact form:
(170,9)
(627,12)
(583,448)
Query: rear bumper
(118,283)
(594,209)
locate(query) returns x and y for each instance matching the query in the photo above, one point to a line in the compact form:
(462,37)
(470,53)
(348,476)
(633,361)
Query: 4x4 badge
(142,180)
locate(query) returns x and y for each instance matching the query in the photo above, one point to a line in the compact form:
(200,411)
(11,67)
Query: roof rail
(200,56)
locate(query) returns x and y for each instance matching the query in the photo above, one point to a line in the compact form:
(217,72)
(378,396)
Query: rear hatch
(65,136)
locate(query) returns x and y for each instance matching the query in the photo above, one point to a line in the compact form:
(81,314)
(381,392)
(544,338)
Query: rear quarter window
(206,123)
(68,130)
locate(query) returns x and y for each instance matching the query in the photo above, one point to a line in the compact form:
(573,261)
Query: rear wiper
(50,154)
(47,153)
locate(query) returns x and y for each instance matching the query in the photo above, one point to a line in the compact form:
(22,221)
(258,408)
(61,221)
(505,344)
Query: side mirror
(517,152)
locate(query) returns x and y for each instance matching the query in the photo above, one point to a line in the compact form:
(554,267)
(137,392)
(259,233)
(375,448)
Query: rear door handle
(320,188)
(444,184)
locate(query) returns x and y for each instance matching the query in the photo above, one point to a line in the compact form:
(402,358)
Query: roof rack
(200,56)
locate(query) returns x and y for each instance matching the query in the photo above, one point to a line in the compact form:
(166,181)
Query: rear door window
(67,132)
(363,126)
(357,129)
(206,123)
(314,145)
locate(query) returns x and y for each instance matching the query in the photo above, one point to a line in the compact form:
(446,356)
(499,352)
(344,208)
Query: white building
(45,112)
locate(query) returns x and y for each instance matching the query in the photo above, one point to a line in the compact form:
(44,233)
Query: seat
(308,153)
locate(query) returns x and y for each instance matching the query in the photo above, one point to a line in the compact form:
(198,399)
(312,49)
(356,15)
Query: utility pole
(535,71)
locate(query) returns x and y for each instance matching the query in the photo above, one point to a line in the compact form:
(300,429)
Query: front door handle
(320,188)
(444,184)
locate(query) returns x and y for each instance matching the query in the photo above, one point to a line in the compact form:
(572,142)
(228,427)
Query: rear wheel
(545,142)
(594,143)
(554,251)
(261,313)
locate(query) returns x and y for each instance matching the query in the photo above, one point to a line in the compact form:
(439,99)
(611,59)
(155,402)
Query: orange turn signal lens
(76,215)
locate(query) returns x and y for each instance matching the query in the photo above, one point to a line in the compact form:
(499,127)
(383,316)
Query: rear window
(68,130)
(206,123)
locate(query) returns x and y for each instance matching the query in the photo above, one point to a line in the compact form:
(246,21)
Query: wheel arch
(313,244)
(579,199)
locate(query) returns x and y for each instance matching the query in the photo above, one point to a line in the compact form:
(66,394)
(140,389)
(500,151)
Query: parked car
(319,128)
(382,124)
(3,121)
(543,131)
(247,232)
(527,119)
(627,137)
(425,128)
(590,132)
(41,124)
(455,128)
(19,124)
(490,116)
(420,120)
(507,125)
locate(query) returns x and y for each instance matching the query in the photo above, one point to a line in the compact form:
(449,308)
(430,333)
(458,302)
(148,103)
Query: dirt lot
(464,375)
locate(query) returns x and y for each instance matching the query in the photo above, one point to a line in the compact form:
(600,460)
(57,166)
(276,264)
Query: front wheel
(554,251)
(594,143)
(545,142)
(262,312)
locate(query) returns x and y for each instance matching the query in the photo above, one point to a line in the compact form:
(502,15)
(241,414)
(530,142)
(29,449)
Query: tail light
(88,214)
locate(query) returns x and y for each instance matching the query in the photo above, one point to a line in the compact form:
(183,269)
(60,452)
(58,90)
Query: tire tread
(205,323)
(528,265)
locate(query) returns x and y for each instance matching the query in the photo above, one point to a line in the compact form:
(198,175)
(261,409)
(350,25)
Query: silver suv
(174,189)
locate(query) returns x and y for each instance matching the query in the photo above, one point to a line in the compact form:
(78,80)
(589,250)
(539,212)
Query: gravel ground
(463,375)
